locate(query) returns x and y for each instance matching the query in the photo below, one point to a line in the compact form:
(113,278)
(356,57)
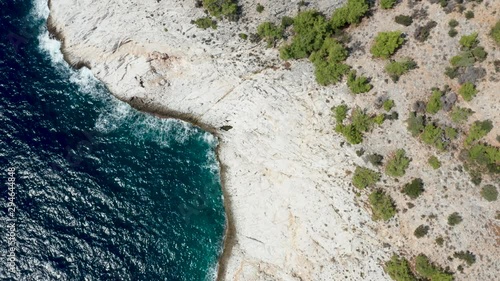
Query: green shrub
(221,8)
(403,20)
(479,53)
(424,267)
(468,257)
(397,68)
(351,134)
(483,155)
(415,124)
(382,205)
(453,32)
(399,269)
(435,104)
(433,135)
(453,23)
(478,130)
(495,32)
(364,177)
(311,28)
(421,231)
(469,41)
(469,15)
(434,162)
(388,105)
(468,91)
(205,23)
(451,72)
(352,12)
(270,33)
(489,192)
(440,241)
(286,22)
(259,8)
(454,219)
(361,120)
(386,44)
(387,4)
(463,60)
(460,114)
(329,68)
(414,188)
(375,159)
(450,133)
(243,36)
(397,165)
(340,112)
(359,84)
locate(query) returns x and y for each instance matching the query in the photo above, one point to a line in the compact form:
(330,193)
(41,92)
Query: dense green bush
(286,22)
(468,91)
(415,124)
(397,68)
(358,84)
(382,205)
(453,23)
(495,32)
(424,267)
(399,269)
(205,22)
(469,41)
(360,122)
(311,28)
(421,231)
(478,130)
(435,104)
(388,105)
(221,8)
(386,44)
(352,12)
(327,61)
(434,162)
(387,4)
(489,192)
(414,188)
(403,20)
(460,114)
(364,177)
(397,165)
(433,135)
(259,8)
(483,155)
(270,33)
(454,219)
(467,256)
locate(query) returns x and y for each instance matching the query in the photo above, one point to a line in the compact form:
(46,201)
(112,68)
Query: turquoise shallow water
(102,192)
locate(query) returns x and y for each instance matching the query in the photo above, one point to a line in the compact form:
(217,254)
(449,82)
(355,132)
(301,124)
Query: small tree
(358,84)
(386,44)
(454,219)
(489,193)
(397,165)
(270,32)
(414,188)
(460,114)
(468,91)
(425,268)
(415,124)
(364,177)
(478,130)
(399,269)
(435,103)
(383,207)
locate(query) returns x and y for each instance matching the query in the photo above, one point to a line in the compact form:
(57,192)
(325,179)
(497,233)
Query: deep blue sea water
(102,192)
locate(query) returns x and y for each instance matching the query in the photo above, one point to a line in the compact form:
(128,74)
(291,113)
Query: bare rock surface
(292,211)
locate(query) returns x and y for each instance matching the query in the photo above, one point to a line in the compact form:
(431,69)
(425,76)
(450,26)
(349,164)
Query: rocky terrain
(292,211)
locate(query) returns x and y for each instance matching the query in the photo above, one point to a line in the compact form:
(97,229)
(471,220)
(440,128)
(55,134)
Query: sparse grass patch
(397,164)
